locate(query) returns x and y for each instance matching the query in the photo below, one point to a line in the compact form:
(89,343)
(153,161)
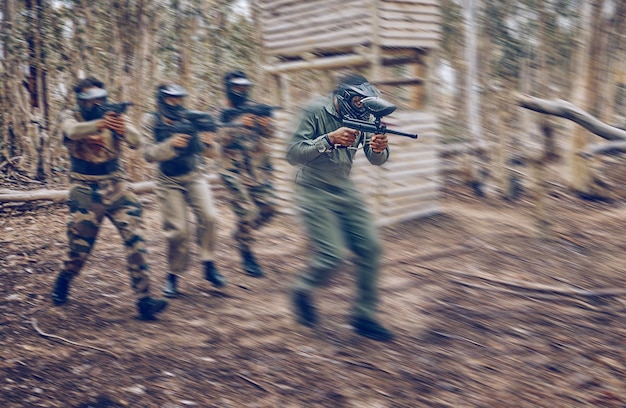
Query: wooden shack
(307,44)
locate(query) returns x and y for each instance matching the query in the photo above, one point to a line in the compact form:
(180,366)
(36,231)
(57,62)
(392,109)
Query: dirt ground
(486,315)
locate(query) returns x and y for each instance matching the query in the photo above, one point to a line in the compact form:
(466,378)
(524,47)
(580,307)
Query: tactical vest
(187,159)
(89,159)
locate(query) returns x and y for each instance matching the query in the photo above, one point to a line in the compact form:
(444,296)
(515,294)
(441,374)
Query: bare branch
(567,110)
(33,322)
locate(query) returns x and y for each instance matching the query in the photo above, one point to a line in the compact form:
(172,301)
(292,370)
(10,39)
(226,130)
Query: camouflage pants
(253,206)
(89,203)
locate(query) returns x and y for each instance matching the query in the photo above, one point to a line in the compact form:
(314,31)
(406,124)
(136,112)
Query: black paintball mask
(172,112)
(233,82)
(90,101)
(347,90)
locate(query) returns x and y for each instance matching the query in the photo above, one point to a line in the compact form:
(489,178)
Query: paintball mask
(172,112)
(348,90)
(89,101)
(237,85)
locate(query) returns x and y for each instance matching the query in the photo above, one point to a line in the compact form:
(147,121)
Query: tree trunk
(476,163)
(583,94)
(16,108)
(183,34)
(617,62)
(6,29)
(472,103)
(37,88)
(539,164)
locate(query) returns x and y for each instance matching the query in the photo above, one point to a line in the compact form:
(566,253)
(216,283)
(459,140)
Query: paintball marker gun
(117,108)
(194,121)
(202,121)
(378,107)
(257,109)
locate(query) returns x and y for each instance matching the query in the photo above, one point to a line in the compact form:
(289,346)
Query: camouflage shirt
(245,152)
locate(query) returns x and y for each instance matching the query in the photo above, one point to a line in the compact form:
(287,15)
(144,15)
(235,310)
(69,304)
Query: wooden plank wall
(407,186)
(409,23)
(284,172)
(293,27)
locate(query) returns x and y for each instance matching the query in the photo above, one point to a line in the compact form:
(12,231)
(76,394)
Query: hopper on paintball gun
(378,107)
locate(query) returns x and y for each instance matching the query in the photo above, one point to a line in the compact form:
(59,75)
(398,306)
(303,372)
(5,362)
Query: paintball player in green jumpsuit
(246,169)
(333,212)
(178,139)
(94,137)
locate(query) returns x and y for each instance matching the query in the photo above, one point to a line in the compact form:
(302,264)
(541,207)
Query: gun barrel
(399,133)
(371,128)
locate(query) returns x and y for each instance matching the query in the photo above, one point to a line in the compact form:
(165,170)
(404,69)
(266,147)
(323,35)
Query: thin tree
(582,94)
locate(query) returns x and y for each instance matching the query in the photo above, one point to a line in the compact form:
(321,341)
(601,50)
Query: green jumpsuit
(334,213)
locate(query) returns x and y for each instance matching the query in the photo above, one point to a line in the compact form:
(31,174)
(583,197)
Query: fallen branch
(580,303)
(52,195)
(455,337)
(10,161)
(246,379)
(33,322)
(602,292)
(141,187)
(567,110)
(60,195)
(366,365)
(605,148)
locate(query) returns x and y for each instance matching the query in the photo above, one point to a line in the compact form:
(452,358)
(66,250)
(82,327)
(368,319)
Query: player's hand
(248,120)
(115,122)
(379,143)
(180,140)
(264,121)
(208,138)
(343,136)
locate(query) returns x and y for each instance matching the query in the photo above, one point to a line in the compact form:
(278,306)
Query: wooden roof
(294,27)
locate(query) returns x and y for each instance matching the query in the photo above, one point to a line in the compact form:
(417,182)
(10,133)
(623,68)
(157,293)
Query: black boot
(61,289)
(303,308)
(213,275)
(171,289)
(149,307)
(250,265)
(371,328)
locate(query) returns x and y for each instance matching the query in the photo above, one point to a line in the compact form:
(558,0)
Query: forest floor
(486,314)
